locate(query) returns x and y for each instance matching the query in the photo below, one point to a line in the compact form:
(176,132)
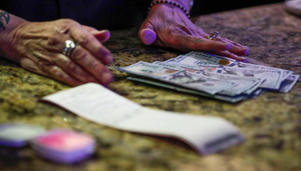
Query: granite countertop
(270,123)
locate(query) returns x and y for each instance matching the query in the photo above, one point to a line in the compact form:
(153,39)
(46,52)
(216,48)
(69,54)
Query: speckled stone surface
(270,123)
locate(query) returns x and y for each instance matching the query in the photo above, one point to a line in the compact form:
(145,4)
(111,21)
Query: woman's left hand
(169,26)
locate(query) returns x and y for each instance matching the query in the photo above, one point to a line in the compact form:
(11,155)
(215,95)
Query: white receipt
(92,101)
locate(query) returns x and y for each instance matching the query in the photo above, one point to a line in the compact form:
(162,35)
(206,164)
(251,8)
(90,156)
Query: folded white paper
(206,134)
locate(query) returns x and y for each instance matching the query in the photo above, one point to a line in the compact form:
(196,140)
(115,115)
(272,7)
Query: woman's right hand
(39,48)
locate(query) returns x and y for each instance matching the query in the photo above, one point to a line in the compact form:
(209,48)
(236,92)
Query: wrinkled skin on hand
(39,45)
(168,26)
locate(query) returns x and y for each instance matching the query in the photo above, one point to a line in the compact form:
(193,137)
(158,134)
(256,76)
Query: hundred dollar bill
(200,58)
(243,84)
(231,99)
(272,77)
(288,84)
(237,64)
(182,78)
(195,59)
(200,81)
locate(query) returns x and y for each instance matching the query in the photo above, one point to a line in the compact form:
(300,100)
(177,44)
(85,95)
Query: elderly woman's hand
(168,26)
(39,48)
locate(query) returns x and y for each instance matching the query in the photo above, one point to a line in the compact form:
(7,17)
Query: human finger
(101,35)
(228,53)
(31,66)
(246,51)
(73,69)
(231,55)
(89,28)
(147,34)
(57,73)
(197,43)
(87,61)
(91,44)
(236,47)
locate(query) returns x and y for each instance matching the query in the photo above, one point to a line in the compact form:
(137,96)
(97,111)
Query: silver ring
(69,46)
(213,35)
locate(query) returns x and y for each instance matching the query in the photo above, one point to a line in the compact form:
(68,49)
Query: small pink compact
(64,146)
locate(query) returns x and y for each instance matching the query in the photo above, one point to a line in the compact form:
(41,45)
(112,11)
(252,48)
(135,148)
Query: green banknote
(231,99)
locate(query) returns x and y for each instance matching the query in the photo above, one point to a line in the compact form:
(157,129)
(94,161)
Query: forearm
(8,26)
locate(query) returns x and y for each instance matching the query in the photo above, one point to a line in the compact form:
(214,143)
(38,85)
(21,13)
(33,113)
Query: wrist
(183,5)
(187,4)
(9,26)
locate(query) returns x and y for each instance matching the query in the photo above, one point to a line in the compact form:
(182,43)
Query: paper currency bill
(243,84)
(231,99)
(272,77)
(182,78)
(286,73)
(200,58)
(213,76)
(288,84)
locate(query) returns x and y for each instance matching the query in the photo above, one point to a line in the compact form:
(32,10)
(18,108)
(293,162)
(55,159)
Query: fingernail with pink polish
(105,35)
(246,52)
(106,78)
(109,59)
(148,36)
(229,45)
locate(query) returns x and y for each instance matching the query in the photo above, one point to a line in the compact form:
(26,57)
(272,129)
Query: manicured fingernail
(109,59)
(105,35)
(148,36)
(246,52)
(229,45)
(106,78)
(246,60)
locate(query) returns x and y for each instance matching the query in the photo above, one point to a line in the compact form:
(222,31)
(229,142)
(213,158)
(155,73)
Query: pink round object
(148,36)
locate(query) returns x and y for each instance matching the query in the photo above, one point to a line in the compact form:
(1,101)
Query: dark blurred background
(201,7)
(113,14)
(211,6)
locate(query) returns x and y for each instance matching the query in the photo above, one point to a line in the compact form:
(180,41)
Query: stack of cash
(212,76)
